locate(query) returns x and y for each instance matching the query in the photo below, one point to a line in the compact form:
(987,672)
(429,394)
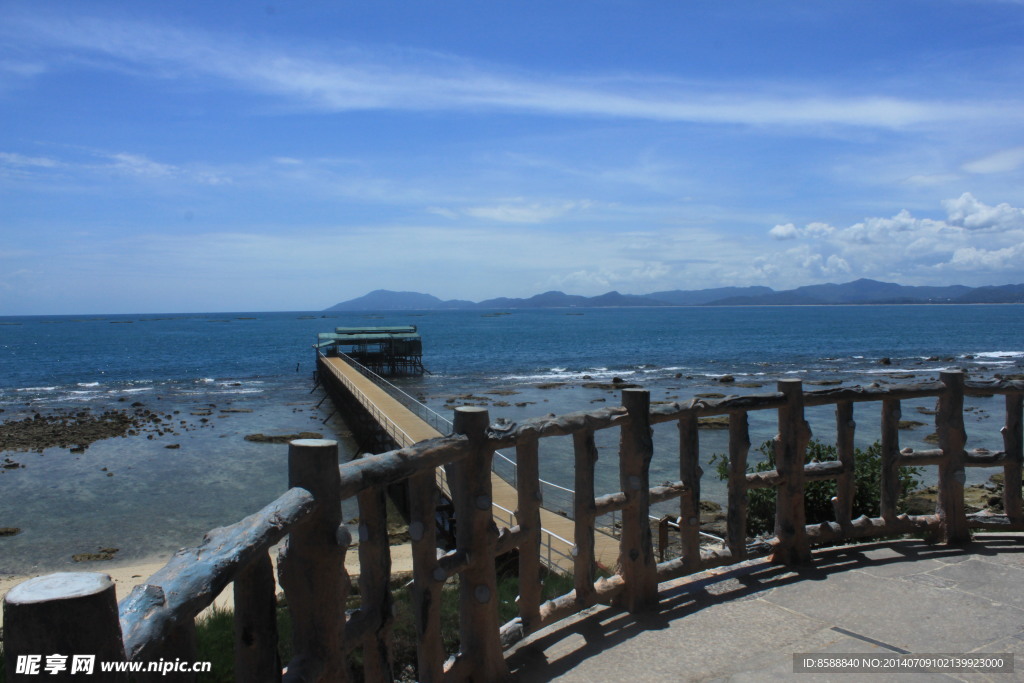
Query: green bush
(818,494)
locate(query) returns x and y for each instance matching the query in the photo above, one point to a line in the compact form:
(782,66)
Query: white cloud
(103,164)
(351,77)
(784,232)
(971,258)
(137,165)
(968,212)
(14,159)
(788,231)
(974,236)
(525,212)
(1002,161)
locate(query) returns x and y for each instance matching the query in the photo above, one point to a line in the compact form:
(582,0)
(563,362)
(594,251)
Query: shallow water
(160,499)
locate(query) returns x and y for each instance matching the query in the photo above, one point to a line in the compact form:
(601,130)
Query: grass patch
(215,629)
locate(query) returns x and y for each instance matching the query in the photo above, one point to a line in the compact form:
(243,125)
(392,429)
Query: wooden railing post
(689,502)
(842,504)
(256,657)
(480,657)
(528,517)
(790,449)
(739,502)
(949,424)
(1013,446)
(374,579)
(636,549)
(63,614)
(890,483)
(426,588)
(585,451)
(311,566)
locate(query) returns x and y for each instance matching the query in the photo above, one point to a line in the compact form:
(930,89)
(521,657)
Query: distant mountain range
(857,292)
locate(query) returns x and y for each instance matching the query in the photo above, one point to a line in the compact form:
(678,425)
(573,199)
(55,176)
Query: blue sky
(220,156)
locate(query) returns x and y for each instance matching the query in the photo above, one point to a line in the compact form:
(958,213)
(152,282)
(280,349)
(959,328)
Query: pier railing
(156,619)
(554,497)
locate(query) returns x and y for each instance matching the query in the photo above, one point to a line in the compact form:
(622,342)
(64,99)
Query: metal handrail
(428,415)
(432,417)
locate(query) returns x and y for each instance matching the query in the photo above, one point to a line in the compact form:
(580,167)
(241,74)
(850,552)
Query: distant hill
(699,297)
(862,291)
(386,300)
(1005,294)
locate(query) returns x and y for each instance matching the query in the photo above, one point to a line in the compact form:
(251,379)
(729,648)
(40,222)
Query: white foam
(999,354)
(556,374)
(902,371)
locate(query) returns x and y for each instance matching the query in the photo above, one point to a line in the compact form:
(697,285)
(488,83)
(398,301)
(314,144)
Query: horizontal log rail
(157,618)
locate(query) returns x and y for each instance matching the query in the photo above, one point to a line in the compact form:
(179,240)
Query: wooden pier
(392,350)
(155,624)
(407,428)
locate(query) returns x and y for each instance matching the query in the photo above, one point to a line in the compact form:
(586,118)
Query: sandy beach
(128,576)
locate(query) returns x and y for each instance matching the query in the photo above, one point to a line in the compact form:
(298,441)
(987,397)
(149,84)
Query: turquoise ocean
(227,375)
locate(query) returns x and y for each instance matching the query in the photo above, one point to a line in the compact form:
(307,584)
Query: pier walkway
(407,428)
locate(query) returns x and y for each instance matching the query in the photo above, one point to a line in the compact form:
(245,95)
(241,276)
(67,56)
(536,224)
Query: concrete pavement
(885,600)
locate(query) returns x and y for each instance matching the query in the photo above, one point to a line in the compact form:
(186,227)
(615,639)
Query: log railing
(156,619)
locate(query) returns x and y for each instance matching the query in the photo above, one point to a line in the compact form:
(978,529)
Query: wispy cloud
(359,77)
(90,164)
(526,212)
(1002,161)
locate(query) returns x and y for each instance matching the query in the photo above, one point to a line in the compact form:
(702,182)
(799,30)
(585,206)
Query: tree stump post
(739,502)
(480,655)
(890,493)
(256,657)
(949,424)
(312,566)
(689,502)
(528,516)
(842,504)
(636,548)
(1013,446)
(426,588)
(585,451)
(51,620)
(374,579)
(790,452)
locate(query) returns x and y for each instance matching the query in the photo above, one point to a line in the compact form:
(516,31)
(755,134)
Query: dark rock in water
(607,386)
(910,424)
(710,394)
(725,379)
(824,382)
(102,555)
(9,531)
(173,446)
(282,438)
(716,422)
(886,361)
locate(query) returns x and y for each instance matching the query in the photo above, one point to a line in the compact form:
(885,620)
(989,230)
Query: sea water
(253,372)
